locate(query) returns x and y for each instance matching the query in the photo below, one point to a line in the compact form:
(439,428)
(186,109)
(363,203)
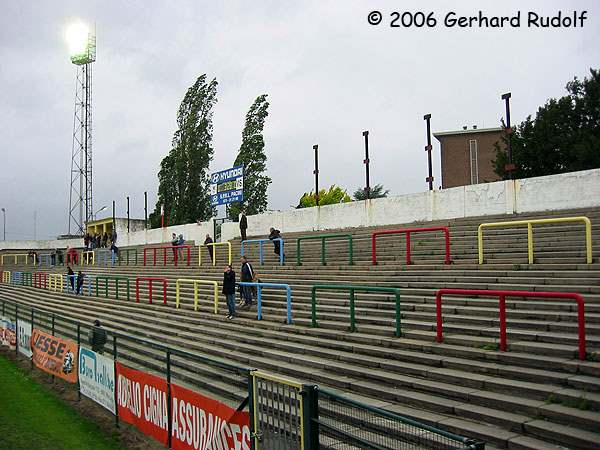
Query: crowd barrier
(530,223)
(501,294)
(55,282)
(86,256)
(259,288)
(260,248)
(40,280)
(16,277)
(324,238)
(214,246)
(16,257)
(195,284)
(124,255)
(104,257)
(26,279)
(165,248)
(408,232)
(150,280)
(71,283)
(45,259)
(352,288)
(73,258)
(6,276)
(116,279)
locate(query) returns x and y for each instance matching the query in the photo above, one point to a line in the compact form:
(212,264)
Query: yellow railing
(196,283)
(6,276)
(85,258)
(55,282)
(530,223)
(214,258)
(16,258)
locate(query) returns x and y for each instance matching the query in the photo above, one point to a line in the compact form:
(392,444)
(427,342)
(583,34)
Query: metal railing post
(311,416)
(323,251)
(32,327)
(78,344)
(16,329)
(502,306)
(530,243)
(116,380)
(169,406)
(313,302)
(352,312)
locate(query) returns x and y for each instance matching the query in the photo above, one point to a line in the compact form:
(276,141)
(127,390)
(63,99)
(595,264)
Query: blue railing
(260,248)
(104,257)
(260,286)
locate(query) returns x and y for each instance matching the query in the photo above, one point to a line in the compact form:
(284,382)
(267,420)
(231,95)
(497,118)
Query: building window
(473,159)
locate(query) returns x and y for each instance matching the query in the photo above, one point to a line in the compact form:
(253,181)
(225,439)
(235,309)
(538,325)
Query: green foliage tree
(252,156)
(334,195)
(564,137)
(183,176)
(377,191)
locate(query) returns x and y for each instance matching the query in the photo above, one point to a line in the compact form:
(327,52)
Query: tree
(375,192)
(334,195)
(564,137)
(252,156)
(183,178)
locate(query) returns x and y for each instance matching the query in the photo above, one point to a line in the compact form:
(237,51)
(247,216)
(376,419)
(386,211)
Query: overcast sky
(328,73)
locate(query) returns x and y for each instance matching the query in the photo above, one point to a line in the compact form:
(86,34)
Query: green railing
(26,279)
(352,288)
(323,238)
(124,255)
(116,279)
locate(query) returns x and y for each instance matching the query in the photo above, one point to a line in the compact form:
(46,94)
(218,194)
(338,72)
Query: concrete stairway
(536,395)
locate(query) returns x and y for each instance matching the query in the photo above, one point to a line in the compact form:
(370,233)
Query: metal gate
(217,227)
(279,407)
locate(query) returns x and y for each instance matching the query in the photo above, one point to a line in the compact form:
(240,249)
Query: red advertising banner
(142,401)
(201,423)
(54,355)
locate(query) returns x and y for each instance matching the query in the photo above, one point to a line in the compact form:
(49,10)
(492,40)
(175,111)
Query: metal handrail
(501,294)
(116,279)
(164,248)
(323,238)
(530,223)
(150,280)
(214,255)
(408,231)
(196,283)
(260,248)
(260,286)
(351,288)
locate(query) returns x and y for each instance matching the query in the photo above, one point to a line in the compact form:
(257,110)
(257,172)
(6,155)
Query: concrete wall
(553,192)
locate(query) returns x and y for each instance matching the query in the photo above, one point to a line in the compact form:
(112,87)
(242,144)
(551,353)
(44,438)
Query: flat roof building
(467,155)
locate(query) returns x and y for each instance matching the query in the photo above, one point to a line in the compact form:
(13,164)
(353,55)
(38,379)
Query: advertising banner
(8,335)
(54,355)
(24,336)
(97,377)
(227,186)
(142,401)
(201,423)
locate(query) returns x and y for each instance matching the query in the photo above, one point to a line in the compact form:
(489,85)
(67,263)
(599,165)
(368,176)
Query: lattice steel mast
(82,44)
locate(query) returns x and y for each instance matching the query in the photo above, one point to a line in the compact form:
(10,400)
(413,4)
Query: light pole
(4,223)
(428,148)
(509,167)
(366,163)
(316,173)
(99,211)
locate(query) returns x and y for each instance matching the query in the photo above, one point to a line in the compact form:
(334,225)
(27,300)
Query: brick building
(467,155)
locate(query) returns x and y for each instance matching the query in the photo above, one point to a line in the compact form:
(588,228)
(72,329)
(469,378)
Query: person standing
(243,224)
(80,277)
(210,248)
(97,337)
(248,277)
(276,234)
(229,290)
(174,243)
(71,277)
(86,241)
(114,253)
(113,236)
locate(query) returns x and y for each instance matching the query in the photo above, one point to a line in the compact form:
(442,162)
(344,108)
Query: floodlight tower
(82,50)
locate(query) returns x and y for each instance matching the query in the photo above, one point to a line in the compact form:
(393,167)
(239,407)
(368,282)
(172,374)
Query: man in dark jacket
(80,277)
(71,277)
(97,337)
(243,225)
(211,248)
(247,276)
(229,290)
(276,234)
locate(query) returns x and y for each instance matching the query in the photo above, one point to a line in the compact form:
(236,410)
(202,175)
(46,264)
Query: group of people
(97,240)
(76,282)
(248,275)
(177,242)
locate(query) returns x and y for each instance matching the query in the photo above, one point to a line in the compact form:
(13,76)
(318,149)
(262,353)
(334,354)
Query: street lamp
(99,211)
(4,224)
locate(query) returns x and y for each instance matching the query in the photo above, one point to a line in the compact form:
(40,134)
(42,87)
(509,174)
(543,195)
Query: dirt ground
(129,437)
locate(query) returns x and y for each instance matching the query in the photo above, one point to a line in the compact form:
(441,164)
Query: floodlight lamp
(81,43)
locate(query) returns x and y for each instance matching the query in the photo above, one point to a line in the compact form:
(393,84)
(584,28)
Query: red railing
(73,257)
(408,231)
(502,305)
(174,248)
(150,280)
(40,280)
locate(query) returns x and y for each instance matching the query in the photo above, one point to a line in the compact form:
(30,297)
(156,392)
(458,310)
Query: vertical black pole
(428,149)
(32,327)
(78,344)
(16,328)
(169,406)
(116,381)
(53,335)
(509,167)
(316,172)
(114,224)
(128,213)
(146,209)
(366,163)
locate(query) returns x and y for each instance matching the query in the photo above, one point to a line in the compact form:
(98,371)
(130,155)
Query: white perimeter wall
(553,192)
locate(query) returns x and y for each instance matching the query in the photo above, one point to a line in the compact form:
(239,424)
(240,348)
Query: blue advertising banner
(97,378)
(227,186)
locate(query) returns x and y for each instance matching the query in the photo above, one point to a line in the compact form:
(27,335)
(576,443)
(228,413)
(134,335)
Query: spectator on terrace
(71,278)
(72,256)
(60,260)
(53,257)
(80,277)
(243,224)
(211,248)
(32,254)
(105,240)
(86,241)
(248,276)
(180,242)
(174,243)
(113,236)
(276,234)
(97,337)
(114,253)
(229,290)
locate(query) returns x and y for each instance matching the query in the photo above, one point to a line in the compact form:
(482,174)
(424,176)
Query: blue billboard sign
(227,186)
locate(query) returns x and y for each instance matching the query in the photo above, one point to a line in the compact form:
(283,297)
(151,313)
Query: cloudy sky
(328,73)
